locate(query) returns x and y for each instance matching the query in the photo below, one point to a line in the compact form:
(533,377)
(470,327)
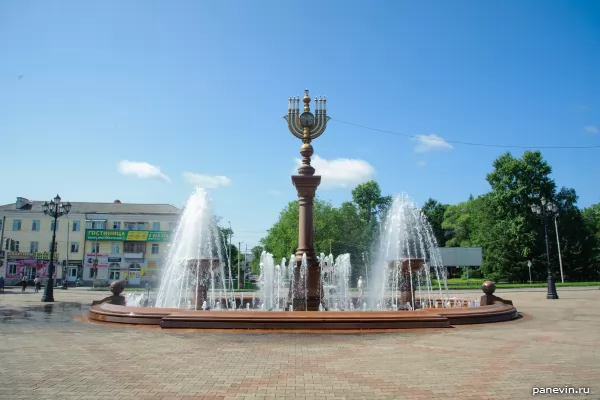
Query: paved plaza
(45,353)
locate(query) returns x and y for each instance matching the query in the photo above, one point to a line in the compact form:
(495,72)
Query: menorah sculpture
(306,127)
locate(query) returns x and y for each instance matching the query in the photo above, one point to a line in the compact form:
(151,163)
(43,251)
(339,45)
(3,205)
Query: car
(252,278)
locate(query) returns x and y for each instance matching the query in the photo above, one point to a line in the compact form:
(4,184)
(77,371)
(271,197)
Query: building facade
(95,241)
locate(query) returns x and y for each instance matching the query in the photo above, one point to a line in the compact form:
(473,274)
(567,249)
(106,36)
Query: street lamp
(55,209)
(544,211)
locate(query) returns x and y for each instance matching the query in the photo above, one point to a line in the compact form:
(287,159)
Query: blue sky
(200,87)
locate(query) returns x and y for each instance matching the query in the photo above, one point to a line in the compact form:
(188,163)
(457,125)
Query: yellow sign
(137,236)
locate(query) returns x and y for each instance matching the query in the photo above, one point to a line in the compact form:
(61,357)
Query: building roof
(28,206)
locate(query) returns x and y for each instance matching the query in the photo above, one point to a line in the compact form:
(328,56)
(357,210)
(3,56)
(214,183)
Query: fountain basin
(174,318)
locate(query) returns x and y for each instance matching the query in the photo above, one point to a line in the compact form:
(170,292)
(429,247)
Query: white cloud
(274,192)
(340,172)
(421,163)
(142,170)
(591,129)
(206,181)
(431,142)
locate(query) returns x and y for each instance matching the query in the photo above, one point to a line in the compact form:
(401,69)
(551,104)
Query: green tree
(372,207)
(459,223)
(578,243)
(255,263)
(509,232)
(434,211)
(371,204)
(591,217)
(282,237)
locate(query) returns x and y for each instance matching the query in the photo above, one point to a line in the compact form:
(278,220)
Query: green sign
(129,236)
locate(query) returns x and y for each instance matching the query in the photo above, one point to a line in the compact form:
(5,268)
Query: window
(76,226)
(91,275)
(35,225)
(134,267)
(114,271)
(117,225)
(74,247)
(16,224)
(156,226)
(33,247)
(154,248)
(50,246)
(12,269)
(95,247)
(95,224)
(116,248)
(135,226)
(14,246)
(134,247)
(52,225)
(73,272)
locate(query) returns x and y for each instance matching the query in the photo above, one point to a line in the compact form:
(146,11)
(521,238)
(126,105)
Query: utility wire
(463,143)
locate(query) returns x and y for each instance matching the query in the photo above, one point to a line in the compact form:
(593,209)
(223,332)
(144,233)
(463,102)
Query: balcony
(133,256)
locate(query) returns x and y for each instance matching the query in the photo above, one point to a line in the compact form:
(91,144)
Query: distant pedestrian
(37,284)
(24,283)
(1,284)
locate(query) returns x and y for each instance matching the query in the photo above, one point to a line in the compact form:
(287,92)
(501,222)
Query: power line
(463,143)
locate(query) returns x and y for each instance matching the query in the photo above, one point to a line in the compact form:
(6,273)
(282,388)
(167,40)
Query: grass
(461,284)
(141,289)
(107,289)
(453,284)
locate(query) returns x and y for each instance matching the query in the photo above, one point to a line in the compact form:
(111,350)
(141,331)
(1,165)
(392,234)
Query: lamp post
(55,209)
(544,211)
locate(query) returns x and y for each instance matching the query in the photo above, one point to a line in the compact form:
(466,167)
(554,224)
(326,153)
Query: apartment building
(104,241)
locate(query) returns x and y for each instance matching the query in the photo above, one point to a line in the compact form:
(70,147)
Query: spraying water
(406,259)
(194,271)
(335,278)
(271,283)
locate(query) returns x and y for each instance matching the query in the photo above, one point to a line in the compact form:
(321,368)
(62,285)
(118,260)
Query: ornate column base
(306,186)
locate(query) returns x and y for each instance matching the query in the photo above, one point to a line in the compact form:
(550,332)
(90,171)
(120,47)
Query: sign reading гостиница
(130,236)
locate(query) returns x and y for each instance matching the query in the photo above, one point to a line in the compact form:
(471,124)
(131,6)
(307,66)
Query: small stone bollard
(489,287)
(116,288)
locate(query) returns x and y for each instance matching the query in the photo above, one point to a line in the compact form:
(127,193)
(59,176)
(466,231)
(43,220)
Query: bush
(474,273)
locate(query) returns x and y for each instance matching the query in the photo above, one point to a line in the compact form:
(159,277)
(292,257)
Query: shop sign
(75,262)
(129,236)
(91,257)
(20,255)
(114,259)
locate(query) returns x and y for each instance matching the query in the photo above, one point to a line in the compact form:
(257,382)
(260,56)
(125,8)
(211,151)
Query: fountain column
(306,126)
(306,186)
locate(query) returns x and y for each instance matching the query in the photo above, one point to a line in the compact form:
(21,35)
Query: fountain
(406,258)
(194,291)
(194,272)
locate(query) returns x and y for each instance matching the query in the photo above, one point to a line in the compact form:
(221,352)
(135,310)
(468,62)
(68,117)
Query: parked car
(252,278)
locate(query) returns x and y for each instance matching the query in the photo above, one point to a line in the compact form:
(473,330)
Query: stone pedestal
(408,267)
(200,269)
(306,186)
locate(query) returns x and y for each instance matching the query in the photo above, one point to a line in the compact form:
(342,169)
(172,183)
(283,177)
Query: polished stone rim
(174,318)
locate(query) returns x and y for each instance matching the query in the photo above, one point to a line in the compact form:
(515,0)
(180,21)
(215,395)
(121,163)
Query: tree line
(500,221)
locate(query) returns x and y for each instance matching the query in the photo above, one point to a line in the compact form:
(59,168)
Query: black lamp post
(545,210)
(55,209)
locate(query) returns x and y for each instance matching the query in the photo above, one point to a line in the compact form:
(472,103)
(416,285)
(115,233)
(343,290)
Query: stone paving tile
(45,354)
